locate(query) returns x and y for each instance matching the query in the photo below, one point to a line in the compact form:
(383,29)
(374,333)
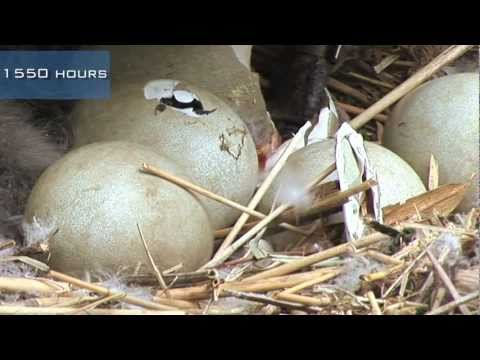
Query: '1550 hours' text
(47,74)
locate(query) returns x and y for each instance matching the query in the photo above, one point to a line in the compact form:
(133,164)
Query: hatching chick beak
(265,150)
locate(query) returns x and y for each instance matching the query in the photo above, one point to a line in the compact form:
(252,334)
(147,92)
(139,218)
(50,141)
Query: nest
(424,259)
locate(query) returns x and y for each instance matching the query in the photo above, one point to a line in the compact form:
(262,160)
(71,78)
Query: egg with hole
(441,118)
(96,195)
(397,181)
(216,68)
(191,126)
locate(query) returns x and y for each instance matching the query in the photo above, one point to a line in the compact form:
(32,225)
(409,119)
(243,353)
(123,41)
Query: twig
(104,291)
(380,275)
(398,306)
(309,283)
(267,300)
(438,229)
(39,286)
(446,281)
(305,300)
(347,90)
(322,176)
(380,132)
(171,270)
(221,233)
(444,200)
(405,272)
(26,260)
(385,63)
(357,299)
(452,305)
(376,255)
(245,259)
(157,272)
(97,303)
(56,301)
(405,63)
(190,186)
(321,256)
(446,57)
(180,279)
(246,237)
(467,280)
(440,294)
(176,303)
(373,302)
(192,293)
(297,139)
(276,283)
(357,110)
(328,203)
(7,244)
(21,310)
(371,81)
(407,310)
(430,279)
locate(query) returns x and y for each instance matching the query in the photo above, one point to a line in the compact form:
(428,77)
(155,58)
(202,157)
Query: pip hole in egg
(236,160)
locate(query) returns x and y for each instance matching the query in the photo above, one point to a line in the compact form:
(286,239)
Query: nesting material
(440,118)
(117,284)
(355,268)
(468,280)
(37,232)
(96,195)
(188,125)
(451,245)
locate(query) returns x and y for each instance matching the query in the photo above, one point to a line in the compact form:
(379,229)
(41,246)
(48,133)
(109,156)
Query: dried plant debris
(117,283)
(423,54)
(16,270)
(451,245)
(37,232)
(354,270)
(232,306)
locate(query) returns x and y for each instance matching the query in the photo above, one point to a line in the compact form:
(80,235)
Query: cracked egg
(397,180)
(95,196)
(221,69)
(191,126)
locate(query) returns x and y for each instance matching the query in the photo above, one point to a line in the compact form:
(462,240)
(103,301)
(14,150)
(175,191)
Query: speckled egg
(397,180)
(209,140)
(96,195)
(441,118)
